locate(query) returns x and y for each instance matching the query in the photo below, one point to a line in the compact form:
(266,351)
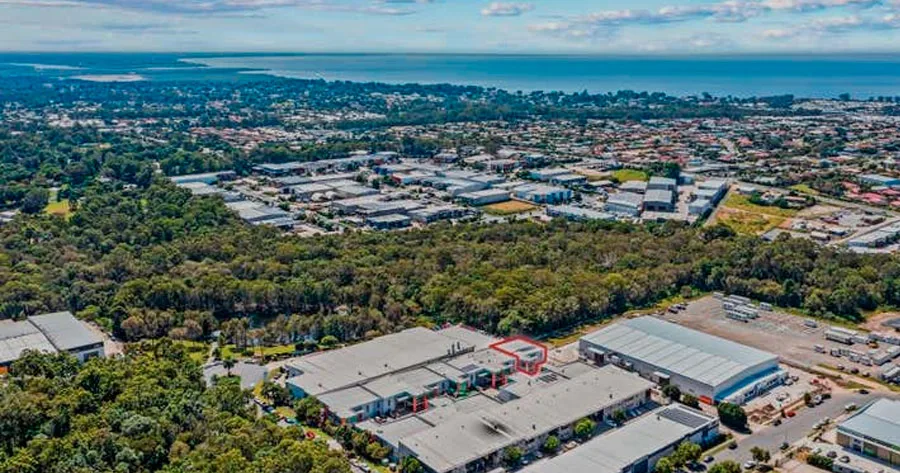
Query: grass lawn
(740,202)
(804,189)
(749,223)
(624,175)
(286,412)
(61,208)
(509,207)
(233,352)
(197,351)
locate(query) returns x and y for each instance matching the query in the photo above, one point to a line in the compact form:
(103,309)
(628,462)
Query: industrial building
(329,371)
(438,212)
(578,214)
(203,178)
(484,197)
(637,446)
(637,187)
(709,367)
(389,222)
(659,200)
(541,194)
(874,431)
(626,203)
(256,213)
(51,333)
(662,183)
(476,441)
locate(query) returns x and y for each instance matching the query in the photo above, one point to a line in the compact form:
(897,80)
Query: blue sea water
(862,76)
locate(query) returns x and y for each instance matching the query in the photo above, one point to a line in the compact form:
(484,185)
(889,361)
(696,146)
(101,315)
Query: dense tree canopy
(150,261)
(148,411)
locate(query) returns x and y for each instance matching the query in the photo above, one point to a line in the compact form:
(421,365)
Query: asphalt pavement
(792,429)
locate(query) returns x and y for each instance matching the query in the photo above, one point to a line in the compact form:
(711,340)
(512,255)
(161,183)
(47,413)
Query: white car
(749,465)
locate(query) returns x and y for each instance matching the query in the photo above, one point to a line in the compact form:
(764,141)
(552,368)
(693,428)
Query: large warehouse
(874,430)
(51,333)
(709,367)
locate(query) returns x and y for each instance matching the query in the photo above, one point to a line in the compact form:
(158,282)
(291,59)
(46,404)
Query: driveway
(792,429)
(250,374)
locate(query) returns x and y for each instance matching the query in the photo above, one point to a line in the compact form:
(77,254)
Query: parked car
(832,454)
(709,459)
(749,465)
(845,459)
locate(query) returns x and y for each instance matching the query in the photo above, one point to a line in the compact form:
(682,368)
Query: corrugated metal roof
(676,349)
(65,331)
(16,337)
(59,331)
(613,452)
(466,437)
(880,420)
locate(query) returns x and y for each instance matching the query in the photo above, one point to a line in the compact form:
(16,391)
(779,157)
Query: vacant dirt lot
(509,207)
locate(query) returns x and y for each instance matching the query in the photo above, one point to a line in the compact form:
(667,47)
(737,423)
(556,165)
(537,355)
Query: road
(793,429)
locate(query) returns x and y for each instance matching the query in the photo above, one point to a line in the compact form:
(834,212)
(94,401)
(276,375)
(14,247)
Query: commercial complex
(51,333)
(636,447)
(329,371)
(476,441)
(709,367)
(455,398)
(874,431)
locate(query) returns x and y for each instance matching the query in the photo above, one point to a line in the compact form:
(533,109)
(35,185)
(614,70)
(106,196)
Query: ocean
(814,76)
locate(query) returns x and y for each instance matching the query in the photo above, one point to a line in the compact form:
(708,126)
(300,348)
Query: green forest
(154,262)
(147,411)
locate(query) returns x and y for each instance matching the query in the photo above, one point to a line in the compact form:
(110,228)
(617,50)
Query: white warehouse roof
(880,421)
(695,355)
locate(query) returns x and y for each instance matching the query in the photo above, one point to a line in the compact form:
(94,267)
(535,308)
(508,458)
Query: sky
(453,26)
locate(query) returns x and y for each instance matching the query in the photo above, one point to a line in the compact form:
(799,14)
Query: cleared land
(804,189)
(61,208)
(509,207)
(748,222)
(746,217)
(624,175)
(741,202)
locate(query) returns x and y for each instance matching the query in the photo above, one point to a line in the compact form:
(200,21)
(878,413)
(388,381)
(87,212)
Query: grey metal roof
(658,195)
(331,370)
(626,199)
(64,331)
(880,421)
(664,181)
(465,438)
(343,402)
(16,337)
(613,452)
(675,349)
(392,432)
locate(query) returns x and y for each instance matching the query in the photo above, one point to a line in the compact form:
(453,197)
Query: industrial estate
(271,275)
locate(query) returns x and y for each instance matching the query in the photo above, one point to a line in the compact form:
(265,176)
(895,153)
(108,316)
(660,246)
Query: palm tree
(228,363)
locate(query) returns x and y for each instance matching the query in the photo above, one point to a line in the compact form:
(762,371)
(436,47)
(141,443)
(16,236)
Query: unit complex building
(50,333)
(709,367)
(455,401)
(638,446)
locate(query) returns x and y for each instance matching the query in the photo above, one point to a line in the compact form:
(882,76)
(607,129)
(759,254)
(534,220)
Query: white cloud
(728,11)
(506,9)
(221,7)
